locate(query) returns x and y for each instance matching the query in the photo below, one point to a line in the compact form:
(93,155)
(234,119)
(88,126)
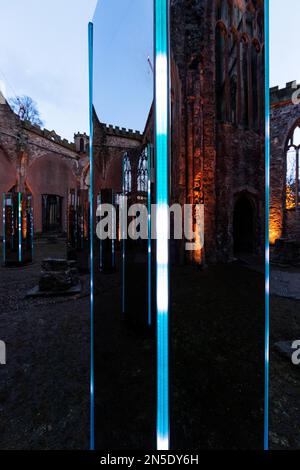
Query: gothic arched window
(223,9)
(261,103)
(245,82)
(249,23)
(81,145)
(292,171)
(260,25)
(233,76)
(220,71)
(126,174)
(142,174)
(255,82)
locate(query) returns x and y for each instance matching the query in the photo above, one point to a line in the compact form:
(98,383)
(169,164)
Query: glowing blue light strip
(32,228)
(20,225)
(149,237)
(114,225)
(4,228)
(162,201)
(267,247)
(124,220)
(92,398)
(99,202)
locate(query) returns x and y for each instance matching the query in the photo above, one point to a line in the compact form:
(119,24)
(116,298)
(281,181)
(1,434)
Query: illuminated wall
(285,115)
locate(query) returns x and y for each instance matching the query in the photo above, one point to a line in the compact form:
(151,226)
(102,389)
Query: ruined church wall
(109,145)
(36,160)
(284,115)
(212,161)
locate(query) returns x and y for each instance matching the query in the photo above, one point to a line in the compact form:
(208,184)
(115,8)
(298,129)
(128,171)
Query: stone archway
(244,224)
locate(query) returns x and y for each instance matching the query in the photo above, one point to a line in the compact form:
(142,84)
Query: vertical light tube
(123,241)
(149,238)
(162,229)
(31,227)
(99,202)
(114,231)
(92,398)
(20,225)
(297,179)
(4,228)
(267,223)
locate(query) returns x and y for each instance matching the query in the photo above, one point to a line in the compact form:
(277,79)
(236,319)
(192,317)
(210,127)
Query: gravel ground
(284,376)
(44,387)
(285,283)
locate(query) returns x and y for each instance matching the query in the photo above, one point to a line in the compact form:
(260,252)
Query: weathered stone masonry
(38,161)
(285,118)
(109,145)
(217,149)
(217,122)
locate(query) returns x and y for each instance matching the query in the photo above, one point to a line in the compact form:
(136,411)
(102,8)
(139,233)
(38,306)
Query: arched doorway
(52,213)
(244,225)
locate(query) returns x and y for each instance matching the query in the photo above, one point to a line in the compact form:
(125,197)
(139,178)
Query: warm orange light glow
(85,220)
(24,220)
(275,228)
(290,197)
(274,235)
(198,229)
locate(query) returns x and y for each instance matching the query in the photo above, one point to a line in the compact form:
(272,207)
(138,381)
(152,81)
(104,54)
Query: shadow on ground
(284,376)
(217,364)
(44,388)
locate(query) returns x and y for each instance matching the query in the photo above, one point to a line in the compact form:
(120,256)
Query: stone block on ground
(55,264)
(58,275)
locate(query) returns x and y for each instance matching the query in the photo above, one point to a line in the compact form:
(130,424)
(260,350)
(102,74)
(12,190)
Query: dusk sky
(123,80)
(44,54)
(284,41)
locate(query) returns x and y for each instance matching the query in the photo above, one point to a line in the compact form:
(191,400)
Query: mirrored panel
(124,324)
(179,290)
(284,230)
(217,177)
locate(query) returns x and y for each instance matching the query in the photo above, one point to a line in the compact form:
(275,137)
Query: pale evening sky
(123,80)
(284,42)
(44,54)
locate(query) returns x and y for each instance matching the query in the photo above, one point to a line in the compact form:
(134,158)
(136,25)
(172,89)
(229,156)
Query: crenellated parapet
(122,132)
(47,134)
(286,95)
